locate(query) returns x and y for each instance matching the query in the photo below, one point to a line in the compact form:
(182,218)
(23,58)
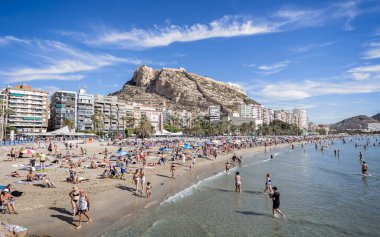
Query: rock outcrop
(377,117)
(177,89)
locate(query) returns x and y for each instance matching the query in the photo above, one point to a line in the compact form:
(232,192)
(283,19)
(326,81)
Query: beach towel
(26,182)
(2,187)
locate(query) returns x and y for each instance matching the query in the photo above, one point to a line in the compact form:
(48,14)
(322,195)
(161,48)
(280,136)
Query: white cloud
(6,40)
(227,26)
(309,47)
(363,79)
(365,72)
(58,61)
(373,52)
(274,68)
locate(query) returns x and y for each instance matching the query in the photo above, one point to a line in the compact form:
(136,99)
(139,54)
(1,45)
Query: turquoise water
(321,195)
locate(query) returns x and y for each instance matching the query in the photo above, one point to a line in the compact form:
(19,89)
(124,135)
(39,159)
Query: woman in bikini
(268,184)
(136,179)
(74,195)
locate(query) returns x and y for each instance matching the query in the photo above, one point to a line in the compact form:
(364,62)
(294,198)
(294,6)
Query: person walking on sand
(84,207)
(268,183)
(275,196)
(238,182)
(172,170)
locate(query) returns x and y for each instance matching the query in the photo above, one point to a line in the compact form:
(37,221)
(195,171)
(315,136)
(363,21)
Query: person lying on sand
(48,182)
(15,174)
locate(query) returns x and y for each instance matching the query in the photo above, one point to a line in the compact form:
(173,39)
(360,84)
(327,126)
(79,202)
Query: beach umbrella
(27,151)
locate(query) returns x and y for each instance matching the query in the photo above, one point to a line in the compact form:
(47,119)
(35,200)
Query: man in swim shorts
(276,201)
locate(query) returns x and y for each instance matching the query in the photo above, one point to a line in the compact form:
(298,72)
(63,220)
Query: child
(148,190)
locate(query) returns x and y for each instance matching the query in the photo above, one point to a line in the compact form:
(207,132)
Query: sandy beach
(111,199)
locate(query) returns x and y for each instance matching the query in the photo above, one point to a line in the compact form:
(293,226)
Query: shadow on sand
(166,176)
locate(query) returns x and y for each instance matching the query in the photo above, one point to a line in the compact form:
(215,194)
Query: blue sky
(323,56)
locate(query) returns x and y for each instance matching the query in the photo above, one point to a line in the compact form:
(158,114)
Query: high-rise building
(214,112)
(3,111)
(251,110)
(85,110)
(29,109)
(113,111)
(302,115)
(63,110)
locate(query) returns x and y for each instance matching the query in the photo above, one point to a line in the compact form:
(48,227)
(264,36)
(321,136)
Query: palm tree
(111,117)
(131,122)
(123,119)
(145,129)
(69,122)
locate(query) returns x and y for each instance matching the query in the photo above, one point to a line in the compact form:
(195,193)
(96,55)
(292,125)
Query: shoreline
(109,212)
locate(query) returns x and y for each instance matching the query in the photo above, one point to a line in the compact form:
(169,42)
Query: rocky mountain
(354,123)
(377,117)
(178,89)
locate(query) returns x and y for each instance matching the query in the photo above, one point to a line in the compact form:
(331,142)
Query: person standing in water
(238,182)
(268,183)
(228,166)
(364,168)
(275,196)
(360,156)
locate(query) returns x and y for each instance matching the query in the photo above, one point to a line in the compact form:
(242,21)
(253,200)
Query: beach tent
(164,132)
(164,149)
(186,146)
(122,153)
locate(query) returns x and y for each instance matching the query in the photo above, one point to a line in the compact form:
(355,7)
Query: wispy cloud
(285,19)
(363,79)
(365,73)
(6,40)
(373,52)
(270,69)
(227,26)
(309,47)
(59,61)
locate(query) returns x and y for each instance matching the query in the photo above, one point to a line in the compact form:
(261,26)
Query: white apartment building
(302,115)
(268,115)
(214,112)
(85,110)
(112,110)
(30,109)
(251,110)
(154,116)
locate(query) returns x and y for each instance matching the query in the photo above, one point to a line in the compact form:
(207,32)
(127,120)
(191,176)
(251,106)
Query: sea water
(321,195)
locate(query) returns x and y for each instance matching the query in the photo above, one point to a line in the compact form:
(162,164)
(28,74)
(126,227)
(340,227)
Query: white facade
(214,112)
(301,113)
(251,111)
(30,109)
(85,110)
(112,110)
